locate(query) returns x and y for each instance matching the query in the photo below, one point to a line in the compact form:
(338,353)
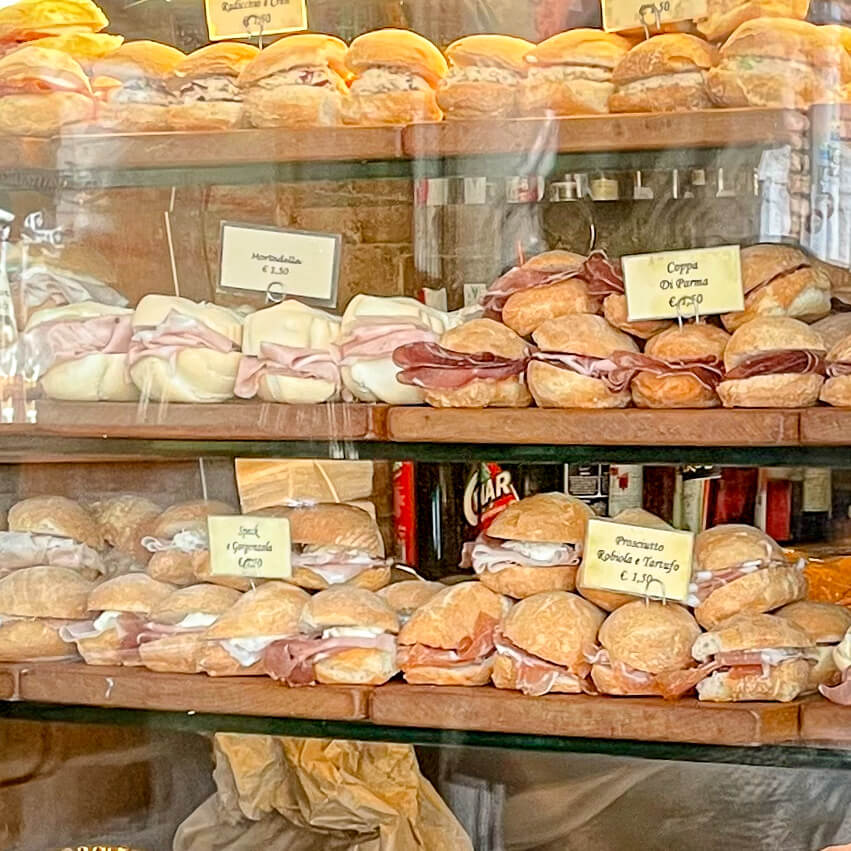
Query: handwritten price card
(696,281)
(242,545)
(300,264)
(248,18)
(637,560)
(619,15)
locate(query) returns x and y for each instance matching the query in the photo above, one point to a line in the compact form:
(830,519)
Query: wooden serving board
(726,128)
(825,723)
(584,716)
(826,427)
(251,420)
(231,147)
(615,427)
(138,688)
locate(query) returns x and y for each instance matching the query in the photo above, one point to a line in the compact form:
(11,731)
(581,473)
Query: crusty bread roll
(679,344)
(836,389)
(474,674)
(33,640)
(84,47)
(826,624)
(31,19)
(397,72)
(724,16)
(556,386)
(272,609)
(202,598)
(779,280)
(124,520)
(189,515)
(407,596)
(45,592)
(526,309)
(664,73)
(180,653)
(55,515)
(485,76)
(132,592)
(616,312)
(178,567)
(474,337)
(571,73)
(784,682)
(335,525)
(44,91)
(298,81)
(771,390)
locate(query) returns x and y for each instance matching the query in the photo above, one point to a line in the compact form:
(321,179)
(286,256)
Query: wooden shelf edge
(825,427)
(825,724)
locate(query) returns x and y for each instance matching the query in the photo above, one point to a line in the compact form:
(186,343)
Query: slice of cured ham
(291,361)
(472,648)
(779,362)
(709,370)
(433,367)
(56,342)
(176,333)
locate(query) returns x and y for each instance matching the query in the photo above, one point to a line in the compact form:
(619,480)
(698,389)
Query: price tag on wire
(255,18)
(637,560)
(242,545)
(622,15)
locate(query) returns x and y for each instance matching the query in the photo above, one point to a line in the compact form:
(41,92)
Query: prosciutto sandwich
(573,366)
(773,363)
(183,351)
(826,624)
(372,329)
(118,610)
(36,605)
(479,364)
(334,544)
(552,284)
(80,352)
(836,389)
(544,642)
(840,692)
(679,368)
(172,639)
(739,569)
(533,545)
(645,648)
(407,596)
(450,639)
(289,354)
(754,657)
(236,643)
(348,636)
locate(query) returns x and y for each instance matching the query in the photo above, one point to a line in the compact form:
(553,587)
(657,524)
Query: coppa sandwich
(837,386)
(543,643)
(534,545)
(478,364)
(204,87)
(174,633)
(184,352)
(119,609)
(290,354)
(334,544)
(450,639)
(826,624)
(372,329)
(35,604)
(299,81)
(754,657)
(348,636)
(739,569)
(573,367)
(645,648)
(485,75)
(773,363)
(236,643)
(80,352)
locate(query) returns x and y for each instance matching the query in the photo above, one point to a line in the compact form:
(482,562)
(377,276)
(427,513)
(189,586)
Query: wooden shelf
(228,421)
(138,688)
(616,427)
(719,128)
(231,147)
(26,152)
(634,718)
(826,427)
(825,723)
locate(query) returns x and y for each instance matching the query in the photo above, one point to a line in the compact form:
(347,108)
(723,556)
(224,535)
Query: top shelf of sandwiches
(76,97)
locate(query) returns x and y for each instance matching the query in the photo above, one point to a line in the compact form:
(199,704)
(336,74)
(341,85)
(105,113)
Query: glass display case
(423,425)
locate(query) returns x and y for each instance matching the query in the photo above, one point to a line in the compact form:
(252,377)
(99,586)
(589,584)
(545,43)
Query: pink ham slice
(491,554)
(703,586)
(838,368)
(537,676)
(378,337)
(291,660)
(334,566)
(291,361)
(178,332)
(707,370)
(616,378)
(840,693)
(604,276)
(472,648)
(433,367)
(779,362)
(52,343)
